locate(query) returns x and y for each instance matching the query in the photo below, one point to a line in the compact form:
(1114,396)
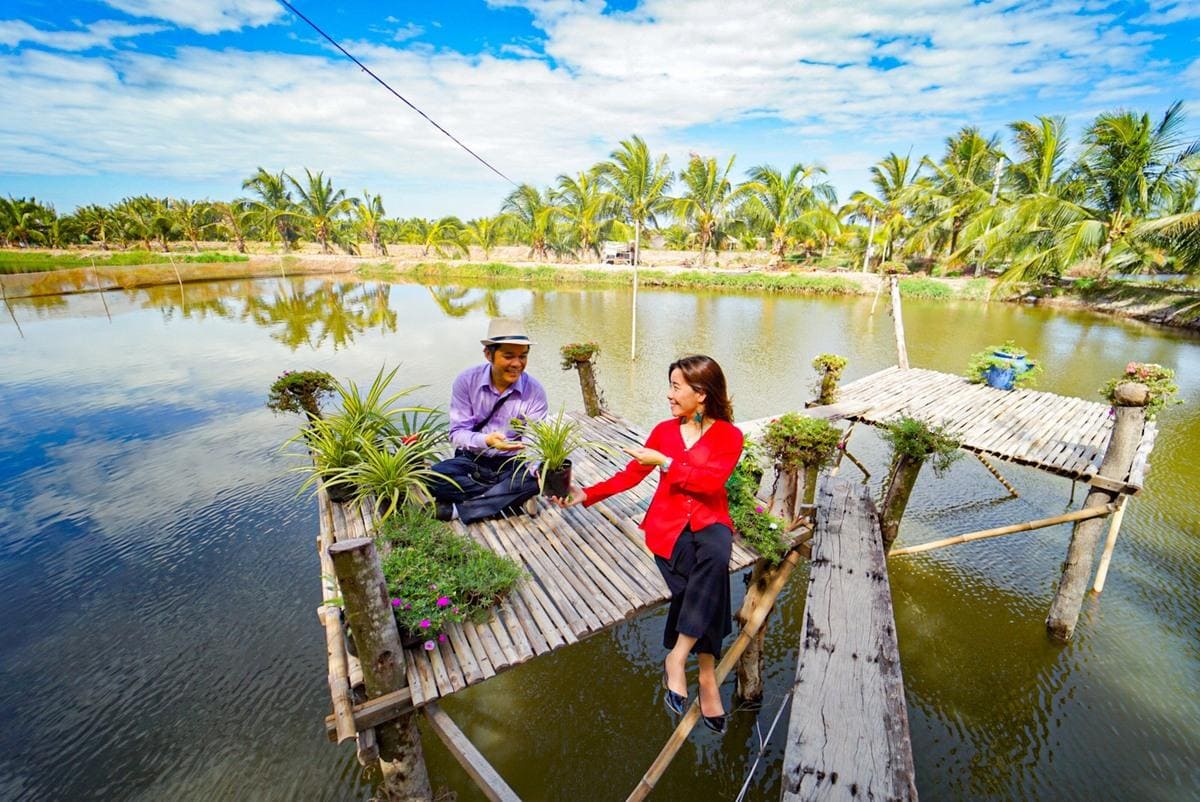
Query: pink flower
(442,638)
(759,508)
(456,611)
(397,602)
(433,587)
(430,646)
(444,601)
(407,606)
(425,623)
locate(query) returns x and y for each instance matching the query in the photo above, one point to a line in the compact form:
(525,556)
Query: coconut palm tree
(275,210)
(486,232)
(24,221)
(368,221)
(532,215)
(138,219)
(777,203)
(886,207)
(441,236)
(320,206)
(235,218)
(638,184)
(191,218)
(96,223)
(586,209)
(708,201)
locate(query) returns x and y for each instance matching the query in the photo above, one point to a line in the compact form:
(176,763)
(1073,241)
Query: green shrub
(793,441)
(916,439)
(764,533)
(300,391)
(925,288)
(1159,380)
(982,361)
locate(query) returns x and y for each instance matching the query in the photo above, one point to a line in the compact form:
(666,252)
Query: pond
(161,583)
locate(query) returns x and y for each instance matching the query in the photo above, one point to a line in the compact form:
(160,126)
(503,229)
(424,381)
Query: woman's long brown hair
(705,376)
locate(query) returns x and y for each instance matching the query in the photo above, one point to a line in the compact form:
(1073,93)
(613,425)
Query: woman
(687,525)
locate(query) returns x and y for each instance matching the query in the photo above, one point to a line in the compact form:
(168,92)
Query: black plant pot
(341,493)
(558,482)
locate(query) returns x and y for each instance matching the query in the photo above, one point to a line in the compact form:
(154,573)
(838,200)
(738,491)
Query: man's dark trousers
(486,485)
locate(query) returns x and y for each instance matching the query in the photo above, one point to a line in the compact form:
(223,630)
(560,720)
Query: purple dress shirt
(473,397)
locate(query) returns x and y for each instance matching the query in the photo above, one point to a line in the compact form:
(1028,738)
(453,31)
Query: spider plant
(327,447)
(549,444)
(393,472)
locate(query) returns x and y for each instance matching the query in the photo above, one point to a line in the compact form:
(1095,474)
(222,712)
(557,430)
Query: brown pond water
(160,578)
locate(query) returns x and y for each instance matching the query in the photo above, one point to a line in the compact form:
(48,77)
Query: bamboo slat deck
(588,570)
(1055,433)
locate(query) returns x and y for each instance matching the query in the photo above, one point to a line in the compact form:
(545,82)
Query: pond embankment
(1163,305)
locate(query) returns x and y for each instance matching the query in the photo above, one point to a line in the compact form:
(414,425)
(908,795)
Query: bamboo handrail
(1077,515)
(1114,527)
(761,611)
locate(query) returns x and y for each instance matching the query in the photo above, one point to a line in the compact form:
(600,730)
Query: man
(484,401)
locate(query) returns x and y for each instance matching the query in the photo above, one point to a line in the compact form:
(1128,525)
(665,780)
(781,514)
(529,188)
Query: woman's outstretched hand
(576,496)
(646,456)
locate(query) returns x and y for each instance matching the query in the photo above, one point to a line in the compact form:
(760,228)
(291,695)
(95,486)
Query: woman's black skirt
(698,577)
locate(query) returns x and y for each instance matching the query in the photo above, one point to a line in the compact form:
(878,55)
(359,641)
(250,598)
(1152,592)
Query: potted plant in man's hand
(548,445)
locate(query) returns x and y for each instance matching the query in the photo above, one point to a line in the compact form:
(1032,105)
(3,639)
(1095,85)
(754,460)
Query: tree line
(1124,198)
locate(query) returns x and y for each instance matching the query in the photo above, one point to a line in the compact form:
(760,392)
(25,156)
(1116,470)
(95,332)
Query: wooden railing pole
(377,640)
(1027,526)
(900,483)
(1127,429)
(898,321)
(761,611)
(1114,526)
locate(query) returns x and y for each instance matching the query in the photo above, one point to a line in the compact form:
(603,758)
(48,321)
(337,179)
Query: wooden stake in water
(898,320)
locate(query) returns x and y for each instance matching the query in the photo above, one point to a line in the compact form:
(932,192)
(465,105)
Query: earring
(698,417)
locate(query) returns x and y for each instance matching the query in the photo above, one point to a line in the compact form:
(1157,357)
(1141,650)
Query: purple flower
(456,611)
(433,587)
(407,606)
(425,623)
(430,646)
(759,508)
(442,638)
(444,601)
(397,602)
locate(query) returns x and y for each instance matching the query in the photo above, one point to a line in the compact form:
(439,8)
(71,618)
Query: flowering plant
(1159,380)
(762,531)
(436,577)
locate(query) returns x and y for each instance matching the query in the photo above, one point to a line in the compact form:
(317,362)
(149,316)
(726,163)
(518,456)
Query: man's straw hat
(502,330)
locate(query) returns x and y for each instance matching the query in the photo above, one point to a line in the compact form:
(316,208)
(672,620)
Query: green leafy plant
(374,413)
(573,353)
(893,268)
(301,391)
(763,532)
(982,361)
(327,447)
(1159,380)
(394,472)
(549,443)
(436,577)
(916,439)
(793,441)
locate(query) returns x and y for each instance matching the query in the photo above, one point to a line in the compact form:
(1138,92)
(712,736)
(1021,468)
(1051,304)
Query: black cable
(384,84)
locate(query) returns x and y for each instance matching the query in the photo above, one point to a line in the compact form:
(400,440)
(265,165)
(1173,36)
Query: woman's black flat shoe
(675,702)
(717,724)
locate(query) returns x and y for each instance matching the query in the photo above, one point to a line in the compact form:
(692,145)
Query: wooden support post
(898,321)
(837,463)
(900,483)
(1118,457)
(1027,526)
(593,399)
(470,758)
(1114,526)
(675,742)
(992,470)
(878,292)
(369,614)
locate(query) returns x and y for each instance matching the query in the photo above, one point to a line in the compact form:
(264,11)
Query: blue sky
(187,98)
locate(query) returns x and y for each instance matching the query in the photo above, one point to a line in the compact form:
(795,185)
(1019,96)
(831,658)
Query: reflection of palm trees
(457,301)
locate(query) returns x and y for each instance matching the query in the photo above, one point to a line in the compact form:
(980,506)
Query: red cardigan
(691,492)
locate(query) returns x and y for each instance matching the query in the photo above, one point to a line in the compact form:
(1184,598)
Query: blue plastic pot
(1000,378)
(1019,364)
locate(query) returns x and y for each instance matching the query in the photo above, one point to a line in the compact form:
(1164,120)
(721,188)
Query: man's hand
(498,441)
(646,456)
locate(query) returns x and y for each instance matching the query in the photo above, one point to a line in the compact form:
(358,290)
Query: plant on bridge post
(798,446)
(301,391)
(829,369)
(579,356)
(914,442)
(1159,381)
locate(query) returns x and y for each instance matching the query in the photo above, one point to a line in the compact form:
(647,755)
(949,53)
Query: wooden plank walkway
(588,570)
(1063,435)
(848,733)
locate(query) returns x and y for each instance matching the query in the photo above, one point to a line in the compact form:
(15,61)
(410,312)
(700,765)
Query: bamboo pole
(898,321)
(1114,526)
(335,650)
(837,463)
(8,306)
(992,470)
(637,258)
(1130,410)
(675,742)
(875,300)
(1027,526)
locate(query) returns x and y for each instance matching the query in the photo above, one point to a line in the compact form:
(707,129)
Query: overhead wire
(386,86)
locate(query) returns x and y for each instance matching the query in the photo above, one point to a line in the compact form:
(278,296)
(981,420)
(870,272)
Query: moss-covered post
(913,443)
(580,356)
(377,641)
(829,369)
(1129,403)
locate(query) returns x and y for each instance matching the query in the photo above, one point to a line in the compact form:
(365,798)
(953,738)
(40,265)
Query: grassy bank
(12,262)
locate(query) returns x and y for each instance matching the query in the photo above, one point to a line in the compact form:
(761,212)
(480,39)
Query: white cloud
(1169,12)
(668,71)
(100,34)
(406,32)
(205,16)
